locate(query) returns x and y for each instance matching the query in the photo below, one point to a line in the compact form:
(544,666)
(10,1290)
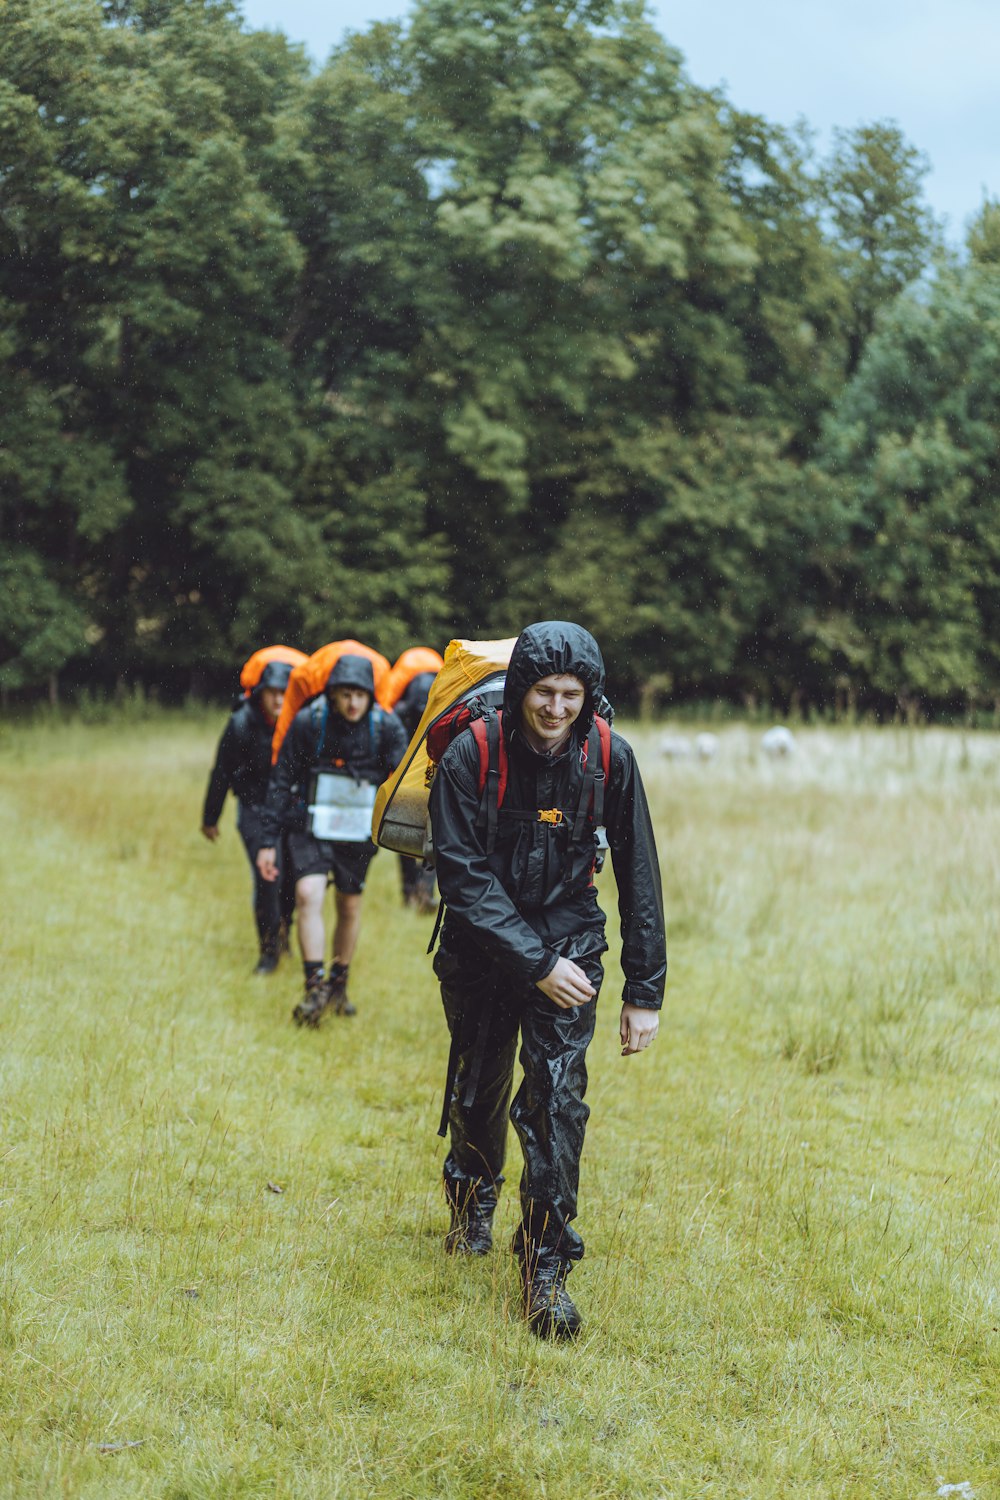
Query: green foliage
(40,626)
(378,572)
(983,238)
(914,444)
(497,314)
(884,233)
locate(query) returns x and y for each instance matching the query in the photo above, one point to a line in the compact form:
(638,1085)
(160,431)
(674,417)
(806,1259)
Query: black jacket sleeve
(468,886)
(221,779)
(637,871)
(295,759)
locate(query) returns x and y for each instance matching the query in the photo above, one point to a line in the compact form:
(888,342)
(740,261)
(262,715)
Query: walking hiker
(516,806)
(243,766)
(337,751)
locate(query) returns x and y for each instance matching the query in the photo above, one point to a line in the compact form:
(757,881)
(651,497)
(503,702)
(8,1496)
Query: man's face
(271,700)
(551,708)
(351,702)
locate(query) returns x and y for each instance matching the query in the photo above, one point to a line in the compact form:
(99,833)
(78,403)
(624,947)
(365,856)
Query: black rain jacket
(519,905)
(370,750)
(411,705)
(242,762)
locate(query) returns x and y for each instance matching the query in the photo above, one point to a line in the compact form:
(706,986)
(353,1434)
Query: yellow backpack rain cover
(400,818)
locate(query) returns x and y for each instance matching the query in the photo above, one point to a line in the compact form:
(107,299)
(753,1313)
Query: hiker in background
(243,766)
(405,691)
(522,942)
(337,751)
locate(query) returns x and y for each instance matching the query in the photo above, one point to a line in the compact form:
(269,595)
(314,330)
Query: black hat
(352,671)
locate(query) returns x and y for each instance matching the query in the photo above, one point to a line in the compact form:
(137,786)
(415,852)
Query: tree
(146,289)
(884,234)
(983,238)
(914,445)
(791,310)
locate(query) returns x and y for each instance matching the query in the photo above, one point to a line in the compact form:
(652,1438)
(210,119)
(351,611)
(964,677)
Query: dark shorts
(346,865)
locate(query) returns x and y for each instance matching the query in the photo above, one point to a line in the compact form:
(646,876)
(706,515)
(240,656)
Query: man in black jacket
(521,950)
(243,766)
(337,752)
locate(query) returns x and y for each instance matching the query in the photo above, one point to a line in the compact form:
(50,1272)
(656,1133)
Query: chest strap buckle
(551,815)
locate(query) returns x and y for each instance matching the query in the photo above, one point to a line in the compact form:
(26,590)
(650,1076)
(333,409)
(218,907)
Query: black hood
(274,675)
(554,648)
(418,691)
(351,671)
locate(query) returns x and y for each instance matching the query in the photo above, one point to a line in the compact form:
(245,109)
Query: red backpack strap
(601,781)
(478,727)
(595,756)
(488,734)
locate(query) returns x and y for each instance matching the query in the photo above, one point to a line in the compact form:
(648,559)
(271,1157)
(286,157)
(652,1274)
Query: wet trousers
(548,1112)
(415,880)
(273,900)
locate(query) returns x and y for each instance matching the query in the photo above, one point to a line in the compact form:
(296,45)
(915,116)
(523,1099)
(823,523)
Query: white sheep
(778,742)
(676,747)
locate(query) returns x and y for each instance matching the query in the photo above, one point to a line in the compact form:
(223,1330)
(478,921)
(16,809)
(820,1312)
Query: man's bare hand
(567,985)
(267,864)
(210,831)
(638,1028)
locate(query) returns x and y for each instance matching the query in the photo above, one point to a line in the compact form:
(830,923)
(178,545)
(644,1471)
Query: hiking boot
(267,963)
(338,1000)
(314,1002)
(548,1307)
(471,1231)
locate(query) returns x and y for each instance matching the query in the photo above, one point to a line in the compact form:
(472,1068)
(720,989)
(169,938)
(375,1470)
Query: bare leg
(345,933)
(309,895)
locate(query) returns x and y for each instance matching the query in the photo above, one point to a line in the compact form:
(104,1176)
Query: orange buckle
(551,815)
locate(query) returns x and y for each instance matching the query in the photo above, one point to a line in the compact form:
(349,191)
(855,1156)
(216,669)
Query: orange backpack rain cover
(309,678)
(254,666)
(412,663)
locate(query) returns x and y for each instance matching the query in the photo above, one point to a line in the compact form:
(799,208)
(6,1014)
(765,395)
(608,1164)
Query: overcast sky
(932,66)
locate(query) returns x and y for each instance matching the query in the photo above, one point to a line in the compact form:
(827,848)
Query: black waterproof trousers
(548,1112)
(415,880)
(273,900)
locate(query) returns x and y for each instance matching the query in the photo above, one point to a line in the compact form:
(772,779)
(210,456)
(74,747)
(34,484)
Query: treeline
(498,315)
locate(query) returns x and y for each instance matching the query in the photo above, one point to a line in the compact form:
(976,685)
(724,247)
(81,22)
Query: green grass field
(790,1207)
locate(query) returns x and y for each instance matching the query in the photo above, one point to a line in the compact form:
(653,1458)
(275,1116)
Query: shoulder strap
(589,752)
(375,720)
(596,766)
(487,731)
(320,715)
(604,776)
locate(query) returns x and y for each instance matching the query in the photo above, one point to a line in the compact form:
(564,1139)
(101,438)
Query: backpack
(308,680)
(472,669)
(413,663)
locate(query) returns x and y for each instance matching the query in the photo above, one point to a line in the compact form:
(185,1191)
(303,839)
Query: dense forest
(497,315)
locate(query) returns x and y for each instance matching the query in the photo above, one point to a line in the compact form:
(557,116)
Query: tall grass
(790,1207)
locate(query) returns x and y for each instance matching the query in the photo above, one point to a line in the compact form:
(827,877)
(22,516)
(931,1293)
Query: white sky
(932,66)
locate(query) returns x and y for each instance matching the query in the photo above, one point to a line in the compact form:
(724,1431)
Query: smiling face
(351,702)
(549,709)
